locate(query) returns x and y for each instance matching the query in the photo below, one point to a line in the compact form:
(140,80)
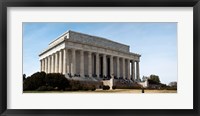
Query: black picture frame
(99,3)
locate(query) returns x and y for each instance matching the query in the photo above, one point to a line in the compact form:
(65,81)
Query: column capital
(96,53)
(89,53)
(73,49)
(81,51)
(62,49)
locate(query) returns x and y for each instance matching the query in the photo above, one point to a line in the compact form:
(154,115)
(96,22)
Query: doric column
(67,60)
(60,61)
(104,65)
(43,64)
(90,64)
(128,68)
(40,65)
(133,70)
(123,68)
(118,70)
(97,64)
(45,68)
(73,66)
(82,64)
(111,66)
(52,63)
(137,71)
(64,61)
(49,64)
(56,62)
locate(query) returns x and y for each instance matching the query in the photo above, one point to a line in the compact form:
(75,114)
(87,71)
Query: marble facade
(83,55)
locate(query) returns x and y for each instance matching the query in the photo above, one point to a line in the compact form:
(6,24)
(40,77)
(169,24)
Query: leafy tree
(34,81)
(154,78)
(173,84)
(144,78)
(24,77)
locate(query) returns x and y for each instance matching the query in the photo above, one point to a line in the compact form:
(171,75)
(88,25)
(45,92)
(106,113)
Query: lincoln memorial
(79,55)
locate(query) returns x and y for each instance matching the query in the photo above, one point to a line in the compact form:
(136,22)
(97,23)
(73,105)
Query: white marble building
(82,55)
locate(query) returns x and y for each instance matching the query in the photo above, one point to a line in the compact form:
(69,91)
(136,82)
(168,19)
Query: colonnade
(90,64)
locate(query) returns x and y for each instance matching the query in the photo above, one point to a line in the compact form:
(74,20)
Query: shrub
(100,86)
(106,87)
(171,88)
(74,85)
(56,80)
(93,88)
(74,88)
(34,81)
(85,88)
(113,87)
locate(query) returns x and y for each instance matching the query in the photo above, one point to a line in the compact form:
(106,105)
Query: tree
(34,81)
(173,84)
(43,81)
(154,78)
(24,77)
(144,78)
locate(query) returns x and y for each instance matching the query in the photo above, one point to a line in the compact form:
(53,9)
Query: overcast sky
(156,42)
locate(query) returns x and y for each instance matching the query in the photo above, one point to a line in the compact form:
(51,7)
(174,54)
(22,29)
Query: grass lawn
(108,91)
